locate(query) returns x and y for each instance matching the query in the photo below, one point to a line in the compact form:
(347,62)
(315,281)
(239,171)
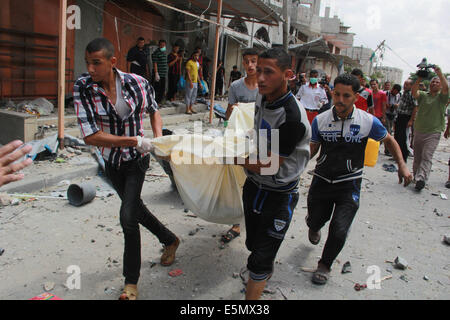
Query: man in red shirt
(380,101)
(365,98)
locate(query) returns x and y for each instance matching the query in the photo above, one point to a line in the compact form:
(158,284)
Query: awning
(245,9)
(317,45)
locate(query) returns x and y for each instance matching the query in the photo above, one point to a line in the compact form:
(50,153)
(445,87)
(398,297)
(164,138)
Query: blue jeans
(127,181)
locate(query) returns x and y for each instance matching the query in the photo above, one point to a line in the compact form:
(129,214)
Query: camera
(424,68)
(323,81)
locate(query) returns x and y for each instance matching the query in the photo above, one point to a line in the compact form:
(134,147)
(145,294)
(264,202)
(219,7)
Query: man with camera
(312,96)
(429,122)
(325,84)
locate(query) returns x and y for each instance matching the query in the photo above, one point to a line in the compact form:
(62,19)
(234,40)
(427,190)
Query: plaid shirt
(95,112)
(407,103)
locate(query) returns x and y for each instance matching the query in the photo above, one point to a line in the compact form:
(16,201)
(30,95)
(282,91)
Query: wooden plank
(62,70)
(216,57)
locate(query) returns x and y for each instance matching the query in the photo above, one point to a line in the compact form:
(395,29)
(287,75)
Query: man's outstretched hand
(404,175)
(8,155)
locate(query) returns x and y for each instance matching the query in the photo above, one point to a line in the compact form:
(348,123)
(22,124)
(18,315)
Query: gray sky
(413,29)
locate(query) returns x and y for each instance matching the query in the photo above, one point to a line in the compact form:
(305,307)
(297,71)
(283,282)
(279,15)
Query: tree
(377,75)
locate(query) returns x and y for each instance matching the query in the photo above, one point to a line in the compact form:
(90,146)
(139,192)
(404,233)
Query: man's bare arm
(444,83)
(157,124)
(314,148)
(103,139)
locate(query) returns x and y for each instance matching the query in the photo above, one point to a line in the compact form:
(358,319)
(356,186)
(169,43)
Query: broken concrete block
(346,268)
(5,200)
(400,263)
(447,239)
(43,106)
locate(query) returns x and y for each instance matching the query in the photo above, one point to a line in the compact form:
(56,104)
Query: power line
(149,27)
(400,57)
(209,5)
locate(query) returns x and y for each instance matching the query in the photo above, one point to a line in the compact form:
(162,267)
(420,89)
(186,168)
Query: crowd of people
(162,68)
(312,116)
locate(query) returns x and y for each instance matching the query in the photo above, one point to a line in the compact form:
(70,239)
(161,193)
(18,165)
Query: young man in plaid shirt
(109,105)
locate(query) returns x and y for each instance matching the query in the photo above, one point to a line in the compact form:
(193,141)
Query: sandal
(321,275)
(230,235)
(130,292)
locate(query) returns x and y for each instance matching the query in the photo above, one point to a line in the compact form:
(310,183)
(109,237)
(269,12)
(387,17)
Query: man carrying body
(341,134)
(243,90)
(137,60)
(270,193)
(109,105)
(160,68)
(312,96)
(429,124)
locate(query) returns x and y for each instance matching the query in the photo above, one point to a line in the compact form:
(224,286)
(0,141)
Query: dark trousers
(160,89)
(173,82)
(401,125)
(128,181)
(267,218)
(338,202)
(219,88)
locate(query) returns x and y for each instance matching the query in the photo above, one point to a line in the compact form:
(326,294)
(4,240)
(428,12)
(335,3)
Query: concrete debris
(400,263)
(5,200)
(193,232)
(347,267)
(48,286)
(43,106)
(404,278)
(447,239)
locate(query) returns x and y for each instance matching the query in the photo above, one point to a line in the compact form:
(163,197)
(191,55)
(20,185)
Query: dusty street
(43,238)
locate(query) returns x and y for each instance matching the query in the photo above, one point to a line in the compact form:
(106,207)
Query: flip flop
(230,235)
(129,293)
(321,276)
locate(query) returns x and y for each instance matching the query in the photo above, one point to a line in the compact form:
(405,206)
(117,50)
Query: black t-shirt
(235,75)
(140,56)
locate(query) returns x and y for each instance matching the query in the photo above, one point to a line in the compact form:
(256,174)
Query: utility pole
(61,69)
(216,54)
(285,24)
